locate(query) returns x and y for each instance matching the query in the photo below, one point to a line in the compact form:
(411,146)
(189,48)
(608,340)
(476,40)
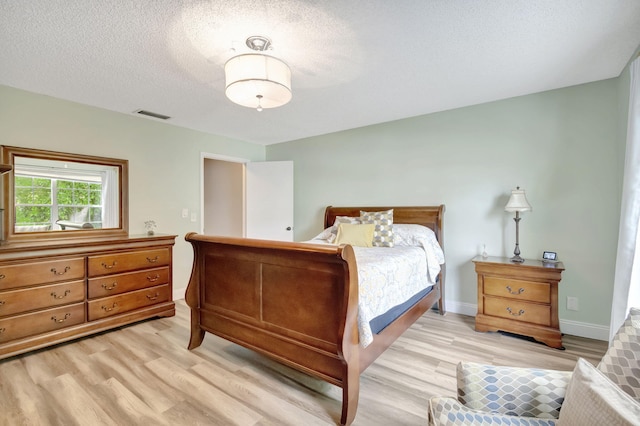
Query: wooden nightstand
(520,298)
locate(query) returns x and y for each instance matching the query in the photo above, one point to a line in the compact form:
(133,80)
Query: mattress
(392,279)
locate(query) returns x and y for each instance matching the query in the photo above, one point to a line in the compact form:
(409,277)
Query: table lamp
(517,203)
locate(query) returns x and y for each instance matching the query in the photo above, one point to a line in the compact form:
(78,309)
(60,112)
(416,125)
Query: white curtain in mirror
(110,198)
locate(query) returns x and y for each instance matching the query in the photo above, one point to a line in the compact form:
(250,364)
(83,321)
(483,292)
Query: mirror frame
(9,153)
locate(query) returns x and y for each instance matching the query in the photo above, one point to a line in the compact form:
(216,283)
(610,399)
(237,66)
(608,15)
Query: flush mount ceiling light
(257,80)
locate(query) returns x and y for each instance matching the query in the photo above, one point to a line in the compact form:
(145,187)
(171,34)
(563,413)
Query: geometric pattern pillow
(526,392)
(337,222)
(383,221)
(621,362)
(593,399)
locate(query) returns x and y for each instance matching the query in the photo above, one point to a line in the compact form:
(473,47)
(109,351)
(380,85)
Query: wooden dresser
(52,291)
(521,298)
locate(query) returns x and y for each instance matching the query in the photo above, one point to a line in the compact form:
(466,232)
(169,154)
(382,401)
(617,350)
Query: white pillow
(330,233)
(593,399)
(337,222)
(324,235)
(409,234)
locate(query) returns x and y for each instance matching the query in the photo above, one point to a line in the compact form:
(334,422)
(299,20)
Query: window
(46,201)
(33,202)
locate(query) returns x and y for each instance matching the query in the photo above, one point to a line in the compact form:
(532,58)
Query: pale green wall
(561,146)
(164,160)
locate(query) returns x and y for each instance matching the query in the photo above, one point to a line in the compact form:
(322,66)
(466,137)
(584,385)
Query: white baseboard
(178,293)
(583,329)
(574,328)
(461,308)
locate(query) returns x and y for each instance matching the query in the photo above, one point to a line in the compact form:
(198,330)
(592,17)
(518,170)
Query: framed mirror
(51,194)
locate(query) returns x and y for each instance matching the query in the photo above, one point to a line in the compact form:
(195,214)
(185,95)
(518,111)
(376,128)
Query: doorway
(240,198)
(223,198)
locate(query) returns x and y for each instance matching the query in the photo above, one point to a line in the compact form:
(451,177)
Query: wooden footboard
(296,303)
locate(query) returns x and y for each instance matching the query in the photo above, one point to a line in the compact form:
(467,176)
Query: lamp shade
(256,80)
(518,202)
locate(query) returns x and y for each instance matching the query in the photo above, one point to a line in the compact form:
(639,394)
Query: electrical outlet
(185,213)
(194,216)
(572,303)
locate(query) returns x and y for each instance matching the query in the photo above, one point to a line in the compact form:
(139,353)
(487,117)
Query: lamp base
(517,259)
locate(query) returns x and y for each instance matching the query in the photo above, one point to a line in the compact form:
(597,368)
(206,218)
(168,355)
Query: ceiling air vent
(153,114)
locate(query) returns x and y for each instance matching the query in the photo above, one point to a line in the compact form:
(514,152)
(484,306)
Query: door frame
(209,156)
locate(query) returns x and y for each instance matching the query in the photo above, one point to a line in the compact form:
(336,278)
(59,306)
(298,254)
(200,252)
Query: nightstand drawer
(518,310)
(517,289)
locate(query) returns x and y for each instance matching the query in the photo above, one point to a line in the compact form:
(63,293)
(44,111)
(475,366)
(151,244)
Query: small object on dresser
(484,251)
(150,226)
(549,257)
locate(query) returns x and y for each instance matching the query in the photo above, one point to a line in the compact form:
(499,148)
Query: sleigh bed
(298,302)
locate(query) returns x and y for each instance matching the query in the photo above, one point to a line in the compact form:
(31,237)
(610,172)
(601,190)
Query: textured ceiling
(353,63)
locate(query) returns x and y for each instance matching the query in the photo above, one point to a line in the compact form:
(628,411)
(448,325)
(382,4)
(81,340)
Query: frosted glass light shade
(255,79)
(518,202)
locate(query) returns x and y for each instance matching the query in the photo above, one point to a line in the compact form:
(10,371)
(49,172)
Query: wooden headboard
(431,216)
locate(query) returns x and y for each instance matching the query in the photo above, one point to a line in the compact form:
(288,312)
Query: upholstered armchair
(608,394)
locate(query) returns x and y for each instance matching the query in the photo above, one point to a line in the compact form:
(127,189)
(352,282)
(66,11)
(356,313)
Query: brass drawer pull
(153,279)
(109,309)
(520,290)
(55,319)
(55,271)
(154,260)
(2,276)
(154,297)
(110,287)
(2,302)
(2,330)
(520,312)
(66,293)
(105,266)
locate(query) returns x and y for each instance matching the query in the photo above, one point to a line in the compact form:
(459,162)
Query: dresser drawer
(46,296)
(517,289)
(518,310)
(114,305)
(33,273)
(121,283)
(128,261)
(25,325)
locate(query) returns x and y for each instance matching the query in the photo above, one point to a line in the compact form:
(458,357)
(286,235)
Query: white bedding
(389,276)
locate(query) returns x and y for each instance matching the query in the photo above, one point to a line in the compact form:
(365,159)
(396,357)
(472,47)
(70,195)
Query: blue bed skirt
(380,322)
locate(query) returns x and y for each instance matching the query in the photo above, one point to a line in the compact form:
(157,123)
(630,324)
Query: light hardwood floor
(144,375)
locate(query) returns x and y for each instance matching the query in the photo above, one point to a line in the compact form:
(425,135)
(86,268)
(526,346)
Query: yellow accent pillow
(355,234)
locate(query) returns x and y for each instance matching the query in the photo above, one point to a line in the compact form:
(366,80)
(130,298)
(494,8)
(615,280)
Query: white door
(269,200)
